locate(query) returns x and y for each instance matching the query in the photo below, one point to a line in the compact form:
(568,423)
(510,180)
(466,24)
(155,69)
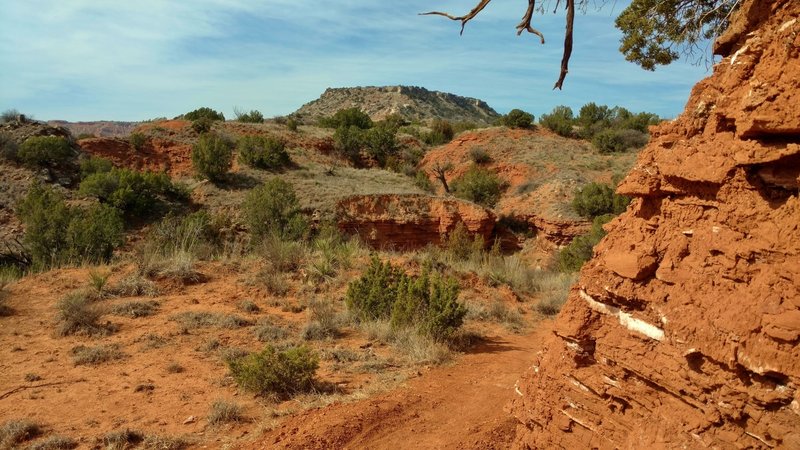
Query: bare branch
(525,25)
(464,19)
(567,44)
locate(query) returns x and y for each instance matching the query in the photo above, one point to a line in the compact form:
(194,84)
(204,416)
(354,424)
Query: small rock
(190,419)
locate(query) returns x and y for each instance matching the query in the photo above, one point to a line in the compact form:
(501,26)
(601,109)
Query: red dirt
(159,155)
(683,331)
(456,407)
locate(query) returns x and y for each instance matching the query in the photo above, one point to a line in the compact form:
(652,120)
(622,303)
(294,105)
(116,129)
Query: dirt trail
(455,407)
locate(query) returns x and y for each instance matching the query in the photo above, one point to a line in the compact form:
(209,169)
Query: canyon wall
(683,330)
(410,221)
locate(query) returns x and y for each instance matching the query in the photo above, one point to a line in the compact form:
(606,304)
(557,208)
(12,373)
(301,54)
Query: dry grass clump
(282,255)
(224,412)
(498,312)
(136,309)
(15,432)
(134,286)
(276,284)
(155,442)
(267,331)
(415,347)
(174,367)
(5,310)
(323,321)
(83,355)
(121,440)
(248,306)
(76,313)
(555,290)
(203,319)
(54,443)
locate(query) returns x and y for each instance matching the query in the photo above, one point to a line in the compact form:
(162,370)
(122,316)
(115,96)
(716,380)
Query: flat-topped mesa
(410,102)
(410,221)
(683,330)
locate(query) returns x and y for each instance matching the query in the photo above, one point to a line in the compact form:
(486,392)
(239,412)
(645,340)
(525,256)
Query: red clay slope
(683,331)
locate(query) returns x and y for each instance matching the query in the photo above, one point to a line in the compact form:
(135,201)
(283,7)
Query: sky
(136,60)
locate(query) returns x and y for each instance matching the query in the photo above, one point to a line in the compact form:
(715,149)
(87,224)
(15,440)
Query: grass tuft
(224,412)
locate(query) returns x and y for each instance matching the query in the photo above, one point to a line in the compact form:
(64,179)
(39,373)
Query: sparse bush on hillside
(381,144)
(45,151)
(615,140)
(137,140)
(348,142)
(422,181)
(263,152)
(212,156)
(273,208)
(478,185)
(8,147)
(479,156)
(596,199)
(57,234)
(15,432)
(93,234)
(441,133)
(572,257)
(132,192)
(372,296)
(93,165)
(204,113)
(78,314)
(253,116)
(517,118)
(202,125)
(462,245)
(559,121)
(350,117)
(292,124)
(271,371)
(9,115)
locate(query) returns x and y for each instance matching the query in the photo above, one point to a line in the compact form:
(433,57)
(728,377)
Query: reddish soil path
(461,406)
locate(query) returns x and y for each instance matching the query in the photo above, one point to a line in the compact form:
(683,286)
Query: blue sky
(135,60)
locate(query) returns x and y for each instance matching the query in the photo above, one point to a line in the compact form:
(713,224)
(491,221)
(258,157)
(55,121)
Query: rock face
(683,331)
(413,103)
(158,155)
(103,128)
(410,221)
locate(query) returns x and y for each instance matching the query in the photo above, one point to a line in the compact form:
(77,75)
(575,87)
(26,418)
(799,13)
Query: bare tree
(525,25)
(440,170)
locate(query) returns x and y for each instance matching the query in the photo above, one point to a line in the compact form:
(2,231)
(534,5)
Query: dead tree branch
(440,170)
(463,19)
(525,25)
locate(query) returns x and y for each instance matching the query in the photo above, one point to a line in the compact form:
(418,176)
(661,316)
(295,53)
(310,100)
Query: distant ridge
(411,102)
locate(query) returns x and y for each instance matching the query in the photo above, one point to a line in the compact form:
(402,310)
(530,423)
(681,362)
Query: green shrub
(253,116)
(276,372)
(45,151)
(130,191)
(212,156)
(372,296)
(596,199)
(202,125)
(350,117)
(93,234)
(478,185)
(204,113)
(380,143)
(273,209)
(137,140)
(422,181)
(572,257)
(292,124)
(263,152)
(93,165)
(46,217)
(462,245)
(560,121)
(348,142)
(427,303)
(615,140)
(517,118)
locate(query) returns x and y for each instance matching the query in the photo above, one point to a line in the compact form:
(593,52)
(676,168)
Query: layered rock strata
(410,221)
(683,330)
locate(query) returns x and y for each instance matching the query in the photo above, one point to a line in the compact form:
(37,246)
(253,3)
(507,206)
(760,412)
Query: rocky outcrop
(410,221)
(683,331)
(410,102)
(103,128)
(158,155)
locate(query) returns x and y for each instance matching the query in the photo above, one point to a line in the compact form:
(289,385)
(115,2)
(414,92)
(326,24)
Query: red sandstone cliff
(410,221)
(683,331)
